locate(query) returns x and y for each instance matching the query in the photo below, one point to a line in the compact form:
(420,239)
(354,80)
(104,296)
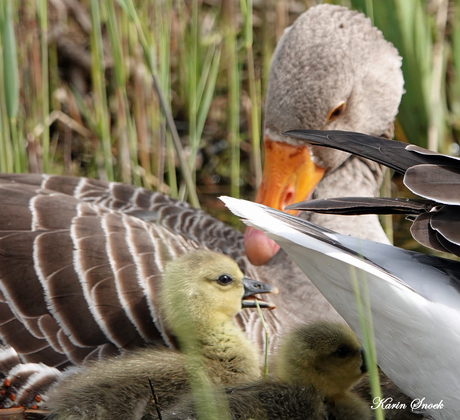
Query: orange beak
(289,176)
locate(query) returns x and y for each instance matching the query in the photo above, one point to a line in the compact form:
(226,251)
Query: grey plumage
(331,55)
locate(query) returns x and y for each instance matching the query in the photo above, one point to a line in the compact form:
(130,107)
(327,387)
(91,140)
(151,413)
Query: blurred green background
(87,87)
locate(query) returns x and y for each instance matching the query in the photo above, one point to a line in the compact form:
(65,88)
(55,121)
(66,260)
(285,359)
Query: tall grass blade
(11,87)
(6,156)
(254,91)
(201,56)
(267,342)
(129,8)
(43,17)
(165,81)
(10,62)
(387,219)
(233,96)
(191,61)
(100,97)
(205,96)
(365,318)
(127,137)
(436,109)
(454,86)
(177,145)
(370,10)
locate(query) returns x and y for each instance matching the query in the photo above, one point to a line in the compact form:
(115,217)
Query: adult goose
(331,70)
(91,271)
(81,265)
(316,367)
(202,292)
(414,299)
(433,176)
(81,260)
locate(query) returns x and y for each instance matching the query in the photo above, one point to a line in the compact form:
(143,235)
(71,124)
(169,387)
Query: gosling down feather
(201,294)
(433,176)
(414,299)
(316,366)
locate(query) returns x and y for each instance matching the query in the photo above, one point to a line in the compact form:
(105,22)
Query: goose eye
(224,279)
(336,112)
(342,352)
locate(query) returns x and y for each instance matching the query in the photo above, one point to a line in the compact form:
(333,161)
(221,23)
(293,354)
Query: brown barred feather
(16,215)
(20,284)
(50,329)
(50,211)
(65,184)
(70,308)
(75,354)
(127,283)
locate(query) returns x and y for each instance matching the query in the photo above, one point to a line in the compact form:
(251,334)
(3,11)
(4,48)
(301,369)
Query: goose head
(204,289)
(331,70)
(324,354)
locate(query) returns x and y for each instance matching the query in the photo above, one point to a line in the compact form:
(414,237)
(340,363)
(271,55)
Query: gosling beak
(363,366)
(289,176)
(252,287)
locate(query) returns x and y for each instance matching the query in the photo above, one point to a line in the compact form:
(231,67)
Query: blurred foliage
(81,85)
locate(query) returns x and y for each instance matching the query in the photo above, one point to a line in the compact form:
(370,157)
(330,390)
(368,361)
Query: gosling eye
(342,352)
(225,279)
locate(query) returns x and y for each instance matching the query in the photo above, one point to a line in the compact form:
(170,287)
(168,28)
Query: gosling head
(203,289)
(324,354)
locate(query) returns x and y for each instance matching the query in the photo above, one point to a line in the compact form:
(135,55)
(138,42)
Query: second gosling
(329,357)
(317,365)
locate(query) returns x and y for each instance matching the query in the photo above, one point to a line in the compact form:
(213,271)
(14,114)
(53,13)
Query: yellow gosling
(202,292)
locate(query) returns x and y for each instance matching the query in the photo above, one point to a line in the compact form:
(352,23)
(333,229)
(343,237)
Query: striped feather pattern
(81,264)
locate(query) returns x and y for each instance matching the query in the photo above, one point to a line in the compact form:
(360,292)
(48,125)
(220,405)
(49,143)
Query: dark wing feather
(364,205)
(79,279)
(129,289)
(50,329)
(391,153)
(440,183)
(447,222)
(424,234)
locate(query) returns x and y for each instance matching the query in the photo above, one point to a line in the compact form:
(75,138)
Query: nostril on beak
(288,199)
